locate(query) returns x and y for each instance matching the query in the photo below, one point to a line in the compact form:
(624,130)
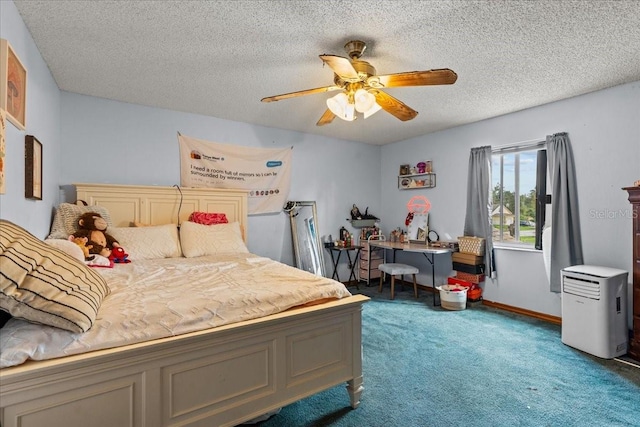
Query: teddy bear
(82,242)
(92,226)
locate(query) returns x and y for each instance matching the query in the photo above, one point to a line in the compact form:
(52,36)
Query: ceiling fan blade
(393,106)
(301,93)
(326,118)
(443,76)
(341,66)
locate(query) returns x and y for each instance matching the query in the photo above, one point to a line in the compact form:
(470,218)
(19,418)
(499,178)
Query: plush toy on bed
(92,226)
(119,256)
(82,242)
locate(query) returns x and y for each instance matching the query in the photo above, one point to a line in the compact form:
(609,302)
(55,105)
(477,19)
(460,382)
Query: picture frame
(404,170)
(32,168)
(13,85)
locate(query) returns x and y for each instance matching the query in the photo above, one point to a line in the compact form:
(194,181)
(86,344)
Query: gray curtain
(477,221)
(566,241)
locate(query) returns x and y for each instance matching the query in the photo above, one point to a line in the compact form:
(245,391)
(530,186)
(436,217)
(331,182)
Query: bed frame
(216,377)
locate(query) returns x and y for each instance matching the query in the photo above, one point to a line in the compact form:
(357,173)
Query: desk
(429,253)
(352,265)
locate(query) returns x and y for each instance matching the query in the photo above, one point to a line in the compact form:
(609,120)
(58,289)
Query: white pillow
(152,242)
(67,247)
(200,240)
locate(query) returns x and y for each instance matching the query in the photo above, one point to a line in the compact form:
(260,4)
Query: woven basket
(471,245)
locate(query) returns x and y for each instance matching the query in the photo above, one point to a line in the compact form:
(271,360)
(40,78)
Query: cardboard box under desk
(465,258)
(468,277)
(468,268)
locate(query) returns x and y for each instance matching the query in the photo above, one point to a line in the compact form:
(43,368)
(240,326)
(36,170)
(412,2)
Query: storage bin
(471,245)
(453,297)
(374,274)
(374,263)
(473,278)
(474,293)
(458,281)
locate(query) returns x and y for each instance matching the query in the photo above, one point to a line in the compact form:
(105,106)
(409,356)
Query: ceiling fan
(361,89)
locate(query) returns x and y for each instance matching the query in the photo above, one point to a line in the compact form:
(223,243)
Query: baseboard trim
(523,311)
(536,315)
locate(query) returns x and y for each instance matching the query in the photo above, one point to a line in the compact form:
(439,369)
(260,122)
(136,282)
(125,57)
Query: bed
(219,376)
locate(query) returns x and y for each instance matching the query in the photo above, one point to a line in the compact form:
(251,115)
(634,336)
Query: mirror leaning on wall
(307,246)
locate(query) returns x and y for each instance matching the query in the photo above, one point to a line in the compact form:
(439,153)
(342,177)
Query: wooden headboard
(157,205)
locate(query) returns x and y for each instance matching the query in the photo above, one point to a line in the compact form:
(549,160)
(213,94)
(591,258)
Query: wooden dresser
(634,198)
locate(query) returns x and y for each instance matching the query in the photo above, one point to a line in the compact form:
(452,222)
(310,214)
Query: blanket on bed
(158,298)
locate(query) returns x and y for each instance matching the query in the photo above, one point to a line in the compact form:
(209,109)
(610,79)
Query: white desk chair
(395,269)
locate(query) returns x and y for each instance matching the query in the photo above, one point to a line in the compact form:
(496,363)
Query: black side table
(336,259)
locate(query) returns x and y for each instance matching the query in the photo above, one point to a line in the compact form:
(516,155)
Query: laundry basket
(453,297)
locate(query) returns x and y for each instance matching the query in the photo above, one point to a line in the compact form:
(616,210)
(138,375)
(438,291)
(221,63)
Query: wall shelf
(416,181)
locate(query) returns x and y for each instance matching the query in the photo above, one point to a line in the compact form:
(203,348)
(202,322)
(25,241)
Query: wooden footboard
(218,377)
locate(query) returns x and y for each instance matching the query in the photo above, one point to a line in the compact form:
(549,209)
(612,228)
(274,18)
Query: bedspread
(153,299)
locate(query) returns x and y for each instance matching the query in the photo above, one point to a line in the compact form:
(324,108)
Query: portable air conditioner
(594,310)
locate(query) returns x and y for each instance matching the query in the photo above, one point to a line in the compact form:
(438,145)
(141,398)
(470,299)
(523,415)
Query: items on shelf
(420,168)
(346,239)
(367,232)
(419,176)
(362,220)
(398,235)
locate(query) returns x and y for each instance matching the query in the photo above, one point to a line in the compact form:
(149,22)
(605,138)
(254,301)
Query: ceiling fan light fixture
(349,113)
(364,100)
(341,107)
(371,111)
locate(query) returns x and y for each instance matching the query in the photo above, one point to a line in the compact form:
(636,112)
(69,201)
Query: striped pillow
(42,284)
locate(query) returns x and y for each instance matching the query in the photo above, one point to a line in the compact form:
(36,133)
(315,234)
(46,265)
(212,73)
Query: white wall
(42,121)
(604,129)
(107,141)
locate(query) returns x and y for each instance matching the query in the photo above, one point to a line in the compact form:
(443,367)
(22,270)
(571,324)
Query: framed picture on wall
(32,168)
(13,86)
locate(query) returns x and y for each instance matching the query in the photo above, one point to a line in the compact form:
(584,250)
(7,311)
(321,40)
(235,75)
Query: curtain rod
(522,145)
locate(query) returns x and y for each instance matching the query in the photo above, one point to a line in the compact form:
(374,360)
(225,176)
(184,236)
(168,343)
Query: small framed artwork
(13,86)
(404,170)
(32,168)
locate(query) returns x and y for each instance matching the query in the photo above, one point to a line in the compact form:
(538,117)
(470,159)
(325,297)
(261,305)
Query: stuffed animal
(119,256)
(92,226)
(82,242)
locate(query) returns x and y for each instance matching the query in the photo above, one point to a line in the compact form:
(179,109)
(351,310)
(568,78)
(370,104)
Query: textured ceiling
(219,58)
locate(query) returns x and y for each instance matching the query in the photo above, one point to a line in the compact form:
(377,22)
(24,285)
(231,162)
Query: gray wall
(107,141)
(42,121)
(604,128)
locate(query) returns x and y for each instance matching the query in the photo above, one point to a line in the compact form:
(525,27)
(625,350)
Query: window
(519,195)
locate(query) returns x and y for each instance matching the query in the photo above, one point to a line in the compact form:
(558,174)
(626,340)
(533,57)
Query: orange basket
(474,293)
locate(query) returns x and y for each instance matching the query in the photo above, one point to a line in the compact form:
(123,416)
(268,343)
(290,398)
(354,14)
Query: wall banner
(265,172)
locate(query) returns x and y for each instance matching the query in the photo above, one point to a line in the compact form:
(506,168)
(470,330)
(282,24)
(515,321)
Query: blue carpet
(426,366)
